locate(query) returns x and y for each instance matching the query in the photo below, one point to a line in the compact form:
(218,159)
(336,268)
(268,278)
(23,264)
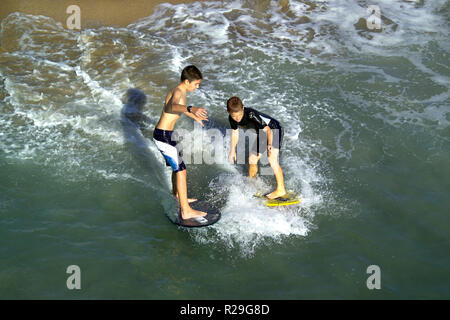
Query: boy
(251,119)
(174,107)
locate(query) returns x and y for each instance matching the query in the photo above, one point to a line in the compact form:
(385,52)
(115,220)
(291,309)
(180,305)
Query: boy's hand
(200,113)
(194,112)
(200,121)
(232,157)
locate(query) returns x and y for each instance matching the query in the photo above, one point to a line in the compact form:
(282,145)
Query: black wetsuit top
(256,120)
(253,119)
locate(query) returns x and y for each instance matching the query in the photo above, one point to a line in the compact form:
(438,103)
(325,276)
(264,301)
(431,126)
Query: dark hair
(191,73)
(234,104)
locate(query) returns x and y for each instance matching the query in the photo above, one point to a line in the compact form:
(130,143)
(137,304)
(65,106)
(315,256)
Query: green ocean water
(367,147)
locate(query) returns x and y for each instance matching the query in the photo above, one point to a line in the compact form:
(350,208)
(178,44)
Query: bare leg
(273,161)
(253,165)
(186,211)
(174,184)
(174,188)
(252,170)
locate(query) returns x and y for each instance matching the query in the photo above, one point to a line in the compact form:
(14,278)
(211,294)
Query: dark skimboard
(213,215)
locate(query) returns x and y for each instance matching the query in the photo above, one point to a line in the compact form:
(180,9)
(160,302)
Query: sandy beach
(94,13)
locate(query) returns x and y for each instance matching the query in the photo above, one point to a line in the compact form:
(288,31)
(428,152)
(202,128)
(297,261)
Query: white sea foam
(247,224)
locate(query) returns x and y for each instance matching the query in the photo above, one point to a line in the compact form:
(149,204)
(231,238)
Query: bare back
(168,118)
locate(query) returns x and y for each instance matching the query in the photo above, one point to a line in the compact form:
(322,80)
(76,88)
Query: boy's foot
(191,214)
(276,194)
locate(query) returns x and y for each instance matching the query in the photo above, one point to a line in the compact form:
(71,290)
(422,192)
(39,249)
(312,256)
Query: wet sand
(94,13)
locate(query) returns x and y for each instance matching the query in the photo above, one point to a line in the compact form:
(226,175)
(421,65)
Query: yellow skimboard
(286,200)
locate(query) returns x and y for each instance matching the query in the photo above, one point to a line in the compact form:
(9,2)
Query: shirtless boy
(174,107)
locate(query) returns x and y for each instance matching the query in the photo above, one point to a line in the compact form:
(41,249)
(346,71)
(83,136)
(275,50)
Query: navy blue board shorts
(165,144)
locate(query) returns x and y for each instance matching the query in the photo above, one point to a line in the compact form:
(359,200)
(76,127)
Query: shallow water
(366,146)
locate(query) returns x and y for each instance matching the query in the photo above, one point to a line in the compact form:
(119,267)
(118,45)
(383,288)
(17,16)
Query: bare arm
(175,105)
(269,135)
(234,142)
(269,140)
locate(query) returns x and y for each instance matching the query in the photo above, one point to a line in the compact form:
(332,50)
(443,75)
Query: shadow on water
(138,130)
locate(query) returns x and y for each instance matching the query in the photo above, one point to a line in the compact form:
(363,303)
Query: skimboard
(213,215)
(286,200)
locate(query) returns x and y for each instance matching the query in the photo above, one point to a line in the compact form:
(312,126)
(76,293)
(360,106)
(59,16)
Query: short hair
(234,104)
(191,73)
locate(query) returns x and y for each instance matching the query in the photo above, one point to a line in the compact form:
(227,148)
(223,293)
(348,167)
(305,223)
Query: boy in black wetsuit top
(264,125)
